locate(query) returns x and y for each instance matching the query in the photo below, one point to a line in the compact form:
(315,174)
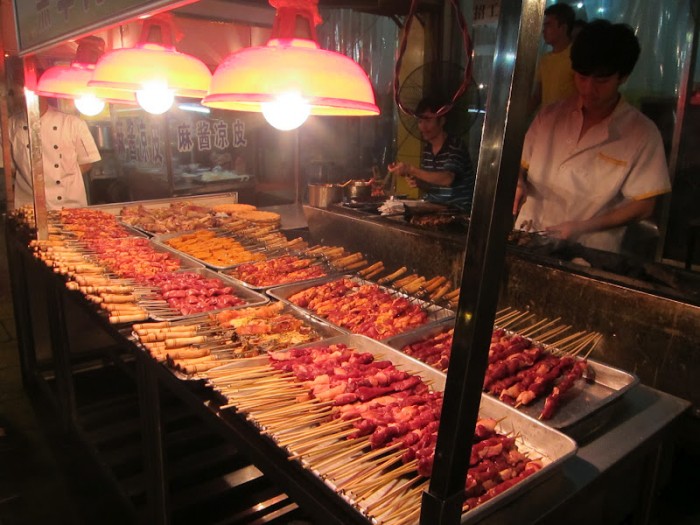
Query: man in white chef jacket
(592,164)
(68,150)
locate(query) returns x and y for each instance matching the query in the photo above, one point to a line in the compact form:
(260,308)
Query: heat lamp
(291,77)
(153,69)
(71,81)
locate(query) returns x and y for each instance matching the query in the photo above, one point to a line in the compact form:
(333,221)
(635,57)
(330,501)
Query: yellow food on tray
(259,216)
(206,246)
(233,208)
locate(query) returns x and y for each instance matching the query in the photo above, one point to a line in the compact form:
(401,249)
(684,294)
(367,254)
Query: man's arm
(625,213)
(438,178)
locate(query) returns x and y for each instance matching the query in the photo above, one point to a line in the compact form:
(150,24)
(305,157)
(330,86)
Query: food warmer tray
(200,200)
(588,405)
(282,293)
(250,297)
(162,237)
(534,437)
(330,272)
(323,329)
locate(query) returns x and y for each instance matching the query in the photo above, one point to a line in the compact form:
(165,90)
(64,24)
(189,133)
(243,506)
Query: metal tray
(282,293)
(202,200)
(330,272)
(323,329)
(250,297)
(161,239)
(586,401)
(535,438)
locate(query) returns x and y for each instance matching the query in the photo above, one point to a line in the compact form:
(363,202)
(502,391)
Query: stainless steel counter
(653,336)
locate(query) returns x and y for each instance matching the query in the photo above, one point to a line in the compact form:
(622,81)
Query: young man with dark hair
(445,174)
(554,78)
(592,164)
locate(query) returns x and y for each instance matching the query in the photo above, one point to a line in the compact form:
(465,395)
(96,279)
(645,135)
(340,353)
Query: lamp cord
(468,48)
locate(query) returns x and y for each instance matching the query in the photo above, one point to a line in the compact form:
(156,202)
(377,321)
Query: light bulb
(288,111)
(89,105)
(155,98)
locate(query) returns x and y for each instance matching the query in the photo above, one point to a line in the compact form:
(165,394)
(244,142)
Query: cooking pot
(322,195)
(358,189)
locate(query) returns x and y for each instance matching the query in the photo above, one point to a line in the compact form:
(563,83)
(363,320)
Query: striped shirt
(452,157)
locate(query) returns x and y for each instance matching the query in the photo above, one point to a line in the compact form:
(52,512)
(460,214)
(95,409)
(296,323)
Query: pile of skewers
(366,427)
(198,344)
(541,359)
(362,308)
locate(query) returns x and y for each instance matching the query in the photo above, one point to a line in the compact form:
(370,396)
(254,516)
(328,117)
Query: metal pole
(519,30)
(689,54)
(37,164)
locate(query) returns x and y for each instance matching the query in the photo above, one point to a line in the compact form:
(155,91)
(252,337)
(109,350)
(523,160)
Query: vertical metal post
(689,54)
(152,443)
(518,37)
(297,168)
(37,164)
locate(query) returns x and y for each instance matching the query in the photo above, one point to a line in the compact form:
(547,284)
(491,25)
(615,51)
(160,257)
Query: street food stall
(307,353)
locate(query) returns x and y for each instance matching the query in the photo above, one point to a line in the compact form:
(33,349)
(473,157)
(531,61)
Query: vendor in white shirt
(592,164)
(68,150)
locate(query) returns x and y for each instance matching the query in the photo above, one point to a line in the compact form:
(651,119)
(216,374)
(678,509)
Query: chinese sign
(208,135)
(44,22)
(137,141)
(486,11)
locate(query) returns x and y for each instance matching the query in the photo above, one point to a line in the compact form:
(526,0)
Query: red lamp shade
(148,62)
(329,82)
(72,82)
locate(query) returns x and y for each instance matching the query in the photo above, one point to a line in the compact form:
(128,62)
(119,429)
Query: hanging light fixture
(292,77)
(72,81)
(153,69)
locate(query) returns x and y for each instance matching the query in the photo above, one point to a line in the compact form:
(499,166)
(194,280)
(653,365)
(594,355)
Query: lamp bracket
(295,19)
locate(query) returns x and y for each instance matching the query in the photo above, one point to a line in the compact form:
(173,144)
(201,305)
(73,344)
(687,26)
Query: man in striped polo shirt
(445,174)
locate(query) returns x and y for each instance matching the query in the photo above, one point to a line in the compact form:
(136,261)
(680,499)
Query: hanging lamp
(153,69)
(292,77)
(72,81)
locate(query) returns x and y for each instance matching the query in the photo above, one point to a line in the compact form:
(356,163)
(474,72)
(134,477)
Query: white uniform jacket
(621,158)
(66,144)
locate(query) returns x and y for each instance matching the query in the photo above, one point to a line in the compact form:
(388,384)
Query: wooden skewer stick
(440,292)
(378,266)
(306,406)
(366,473)
(401,282)
(345,454)
(554,332)
(391,496)
(562,342)
(370,476)
(321,430)
(597,340)
(305,444)
(533,328)
(393,276)
(371,485)
(407,502)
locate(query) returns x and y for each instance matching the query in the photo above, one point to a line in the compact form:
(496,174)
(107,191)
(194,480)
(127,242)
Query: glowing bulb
(89,105)
(155,98)
(288,111)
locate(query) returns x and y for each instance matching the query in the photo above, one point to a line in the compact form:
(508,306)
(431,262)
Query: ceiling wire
(468,48)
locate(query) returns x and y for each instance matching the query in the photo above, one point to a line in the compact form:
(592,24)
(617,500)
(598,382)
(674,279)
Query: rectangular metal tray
(282,293)
(323,329)
(161,239)
(586,400)
(330,272)
(201,200)
(250,297)
(535,439)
